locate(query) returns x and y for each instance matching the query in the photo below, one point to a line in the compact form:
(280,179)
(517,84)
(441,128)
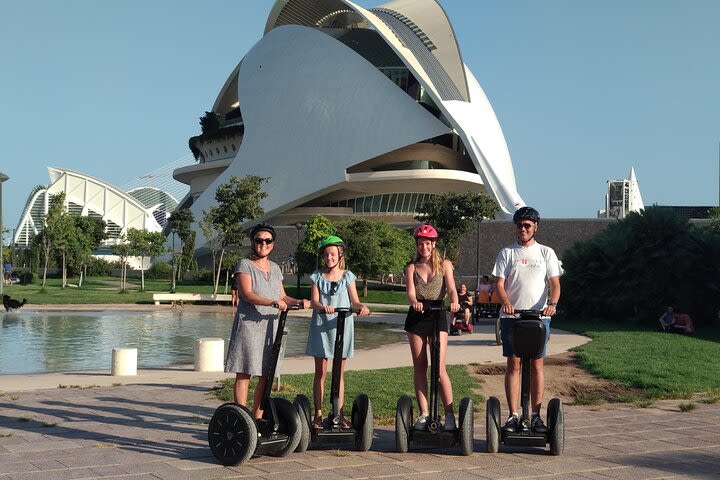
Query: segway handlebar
(341,309)
(529,313)
(435,307)
(296,306)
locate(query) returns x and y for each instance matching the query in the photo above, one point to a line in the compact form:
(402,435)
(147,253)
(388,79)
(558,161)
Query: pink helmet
(425,231)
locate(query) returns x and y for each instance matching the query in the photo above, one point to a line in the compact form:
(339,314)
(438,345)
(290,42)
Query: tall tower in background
(622,198)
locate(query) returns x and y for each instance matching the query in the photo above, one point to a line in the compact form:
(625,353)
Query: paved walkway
(154,426)
(159,432)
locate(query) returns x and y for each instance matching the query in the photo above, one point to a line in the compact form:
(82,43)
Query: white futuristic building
(622,198)
(352,111)
(88,196)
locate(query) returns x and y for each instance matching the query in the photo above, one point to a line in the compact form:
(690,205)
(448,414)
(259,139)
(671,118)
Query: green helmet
(330,240)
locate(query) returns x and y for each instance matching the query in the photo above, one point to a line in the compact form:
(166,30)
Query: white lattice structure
(87,196)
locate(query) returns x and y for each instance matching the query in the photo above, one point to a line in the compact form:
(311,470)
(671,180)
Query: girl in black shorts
(429,279)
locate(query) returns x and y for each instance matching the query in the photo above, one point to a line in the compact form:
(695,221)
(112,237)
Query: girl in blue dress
(332,286)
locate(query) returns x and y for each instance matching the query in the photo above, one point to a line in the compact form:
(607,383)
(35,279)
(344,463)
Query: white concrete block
(209,355)
(124,361)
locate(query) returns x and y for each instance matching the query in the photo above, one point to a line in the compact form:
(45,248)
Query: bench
(179,298)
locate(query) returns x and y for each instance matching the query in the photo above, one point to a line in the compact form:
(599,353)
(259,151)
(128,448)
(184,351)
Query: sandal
(344,423)
(317,423)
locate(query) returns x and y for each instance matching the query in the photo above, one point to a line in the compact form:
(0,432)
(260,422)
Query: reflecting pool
(38,342)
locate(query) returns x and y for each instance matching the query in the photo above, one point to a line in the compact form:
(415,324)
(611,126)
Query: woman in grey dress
(261,296)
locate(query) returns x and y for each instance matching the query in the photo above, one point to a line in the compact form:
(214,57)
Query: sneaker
(449,422)
(537,425)
(513,423)
(421,423)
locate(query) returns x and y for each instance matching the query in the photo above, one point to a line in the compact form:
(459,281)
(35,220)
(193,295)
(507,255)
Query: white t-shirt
(526,270)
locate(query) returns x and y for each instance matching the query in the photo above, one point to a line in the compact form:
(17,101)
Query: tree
(639,265)
(145,244)
(180,223)
(213,238)
(375,248)
(316,228)
(122,250)
(455,215)
(56,234)
(714,215)
(238,201)
(88,233)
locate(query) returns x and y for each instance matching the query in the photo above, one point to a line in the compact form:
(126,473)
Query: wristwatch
(552,304)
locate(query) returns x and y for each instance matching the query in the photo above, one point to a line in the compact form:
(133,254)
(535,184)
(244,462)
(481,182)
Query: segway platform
(434,434)
(528,340)
(234,435)
(361,431)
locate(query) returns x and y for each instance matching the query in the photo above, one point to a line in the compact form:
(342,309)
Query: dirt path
(563,379)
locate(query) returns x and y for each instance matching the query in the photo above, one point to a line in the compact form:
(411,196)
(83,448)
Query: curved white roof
(85,195)
(313,107)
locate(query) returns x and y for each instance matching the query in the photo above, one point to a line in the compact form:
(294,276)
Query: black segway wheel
(467,426)
(492,424)
(403,423)
(289,425)
(498,332)
(362,422)
(302,405)
(556,426)
(232,434)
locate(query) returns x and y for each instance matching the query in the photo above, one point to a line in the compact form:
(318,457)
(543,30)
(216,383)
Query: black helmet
(262,227)
(526,213)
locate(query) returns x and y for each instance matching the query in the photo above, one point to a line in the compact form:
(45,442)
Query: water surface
(39,342)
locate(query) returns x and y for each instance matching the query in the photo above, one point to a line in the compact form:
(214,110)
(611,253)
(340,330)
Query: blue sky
(583,90)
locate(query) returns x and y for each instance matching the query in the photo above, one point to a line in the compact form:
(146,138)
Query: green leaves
(371,248)
(454,215)
(316,228)
(640,265)
(238,201)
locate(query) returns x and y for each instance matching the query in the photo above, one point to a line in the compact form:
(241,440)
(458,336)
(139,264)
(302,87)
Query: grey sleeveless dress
(254,327)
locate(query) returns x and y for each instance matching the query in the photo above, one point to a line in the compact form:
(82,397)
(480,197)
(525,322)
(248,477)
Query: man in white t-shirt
(524,270)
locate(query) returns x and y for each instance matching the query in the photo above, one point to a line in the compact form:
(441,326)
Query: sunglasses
(333,288)
(266,241)
(525,226)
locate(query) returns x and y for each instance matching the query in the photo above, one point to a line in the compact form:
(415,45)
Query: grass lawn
(664,365)
(107,290)
(383,386)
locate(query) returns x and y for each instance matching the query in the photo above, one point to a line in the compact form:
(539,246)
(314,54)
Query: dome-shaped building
(352,111)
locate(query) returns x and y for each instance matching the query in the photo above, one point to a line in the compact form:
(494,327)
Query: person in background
(667,319)
(465,300)
(484,291)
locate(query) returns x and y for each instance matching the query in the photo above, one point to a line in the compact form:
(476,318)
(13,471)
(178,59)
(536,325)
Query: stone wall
(560,234)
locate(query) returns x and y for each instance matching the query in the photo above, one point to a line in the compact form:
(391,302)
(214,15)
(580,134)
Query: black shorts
(423,323)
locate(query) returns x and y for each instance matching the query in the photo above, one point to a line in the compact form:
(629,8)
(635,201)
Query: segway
(528,340)
(434,434)
(234,435)
(361,431)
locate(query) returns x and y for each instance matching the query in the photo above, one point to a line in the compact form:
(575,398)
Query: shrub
(97,267)
(26,278)
(203,275)
(159,271)
(638,266)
